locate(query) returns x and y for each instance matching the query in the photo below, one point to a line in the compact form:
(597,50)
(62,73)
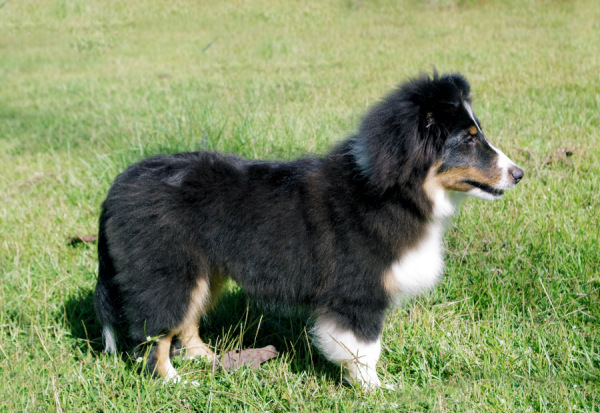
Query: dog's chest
(419,268)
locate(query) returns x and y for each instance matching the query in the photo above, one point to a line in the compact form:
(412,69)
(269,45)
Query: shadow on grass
(81,320)
(235,322)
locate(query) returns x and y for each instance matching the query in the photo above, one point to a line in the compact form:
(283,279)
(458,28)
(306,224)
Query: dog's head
(426,131)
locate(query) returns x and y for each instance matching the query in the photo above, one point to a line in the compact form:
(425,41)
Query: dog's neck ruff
(444,204)
(419,268)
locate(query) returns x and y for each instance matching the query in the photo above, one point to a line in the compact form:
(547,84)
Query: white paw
(363,376)
(390,386)
(171,375)
(174,379)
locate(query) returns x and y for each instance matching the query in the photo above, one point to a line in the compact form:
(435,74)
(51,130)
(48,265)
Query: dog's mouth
(485,188)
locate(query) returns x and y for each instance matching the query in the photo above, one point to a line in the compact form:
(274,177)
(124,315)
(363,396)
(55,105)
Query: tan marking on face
(452,179)
(473,130)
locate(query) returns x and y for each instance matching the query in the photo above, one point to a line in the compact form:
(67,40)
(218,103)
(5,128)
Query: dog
(343,235)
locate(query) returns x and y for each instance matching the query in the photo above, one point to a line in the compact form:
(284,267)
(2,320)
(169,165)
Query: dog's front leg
(358,357)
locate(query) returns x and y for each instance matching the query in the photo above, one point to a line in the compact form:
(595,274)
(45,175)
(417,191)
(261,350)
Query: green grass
(89,87)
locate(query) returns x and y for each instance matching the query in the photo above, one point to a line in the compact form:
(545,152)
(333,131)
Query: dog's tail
(105,298)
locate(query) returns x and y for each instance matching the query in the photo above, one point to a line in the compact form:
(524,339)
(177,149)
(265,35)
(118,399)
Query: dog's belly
(419,268)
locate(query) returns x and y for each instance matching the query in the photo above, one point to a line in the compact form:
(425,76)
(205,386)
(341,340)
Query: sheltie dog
(343,235)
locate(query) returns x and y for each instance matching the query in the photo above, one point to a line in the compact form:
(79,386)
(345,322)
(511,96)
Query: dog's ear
(385,142)
(442,99)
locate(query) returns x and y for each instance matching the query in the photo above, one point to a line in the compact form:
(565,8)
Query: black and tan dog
(343,235)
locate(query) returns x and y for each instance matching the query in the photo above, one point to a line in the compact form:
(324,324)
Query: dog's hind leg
(202,298)
(159,362)
(192,344)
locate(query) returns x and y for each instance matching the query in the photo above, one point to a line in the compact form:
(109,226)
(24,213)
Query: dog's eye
(469,140)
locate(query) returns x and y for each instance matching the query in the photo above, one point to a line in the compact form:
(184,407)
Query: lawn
(90,87)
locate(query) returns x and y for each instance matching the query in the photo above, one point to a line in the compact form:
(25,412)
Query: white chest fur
(419,268)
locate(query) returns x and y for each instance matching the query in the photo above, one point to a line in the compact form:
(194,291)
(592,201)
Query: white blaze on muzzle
(503,162)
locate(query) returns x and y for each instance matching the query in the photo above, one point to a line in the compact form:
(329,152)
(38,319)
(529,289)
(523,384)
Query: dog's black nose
(517,173)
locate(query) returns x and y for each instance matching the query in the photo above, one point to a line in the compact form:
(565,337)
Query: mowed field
(89,87)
